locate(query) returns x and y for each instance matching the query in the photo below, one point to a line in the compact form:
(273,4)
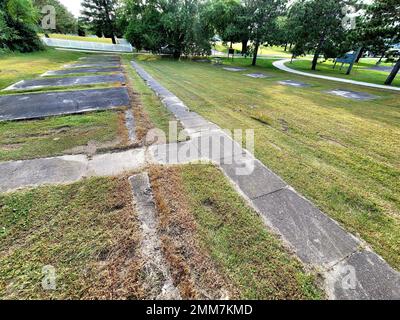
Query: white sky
(74,6)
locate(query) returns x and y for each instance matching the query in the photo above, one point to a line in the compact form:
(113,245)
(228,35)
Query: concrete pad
(30,173)
(80,70)
(111,164)
(315,238)
(257,75)
(362,96)
(64,82)
(39,105)
(234,69)
(253,178)
(293,83)
(93,65)
(218,146)
(174,153)
(363,276)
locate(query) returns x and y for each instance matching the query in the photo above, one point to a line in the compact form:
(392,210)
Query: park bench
(348,58)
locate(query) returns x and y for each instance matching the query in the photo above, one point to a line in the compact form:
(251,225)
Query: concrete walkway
(351,270)
(281,66)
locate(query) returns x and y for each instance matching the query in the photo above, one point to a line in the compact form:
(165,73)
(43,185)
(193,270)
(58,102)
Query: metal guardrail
(86,45)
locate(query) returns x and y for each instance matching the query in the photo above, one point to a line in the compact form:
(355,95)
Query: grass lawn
(87,231)
(207,228)
(78,38)
(270,51)
(342,154)
(360,71)
(21,66)
(61,135)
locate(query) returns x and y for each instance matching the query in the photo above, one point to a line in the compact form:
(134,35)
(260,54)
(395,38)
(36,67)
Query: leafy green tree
(18,26)
(100,16)
(65,21)
(174,26)
(317,26)
(383,25)
(261,18)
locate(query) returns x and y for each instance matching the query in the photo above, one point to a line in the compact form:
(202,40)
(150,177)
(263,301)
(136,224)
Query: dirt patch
(118,266)
(284,124)
(193,271)
(11,147)
(332,141)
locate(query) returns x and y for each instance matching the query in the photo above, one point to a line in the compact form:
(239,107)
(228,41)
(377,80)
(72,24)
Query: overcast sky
(73,6)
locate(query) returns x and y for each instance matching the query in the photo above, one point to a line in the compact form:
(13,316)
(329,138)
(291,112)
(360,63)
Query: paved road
(281,65)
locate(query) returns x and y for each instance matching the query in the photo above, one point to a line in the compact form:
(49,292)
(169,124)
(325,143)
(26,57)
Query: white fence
(86,45)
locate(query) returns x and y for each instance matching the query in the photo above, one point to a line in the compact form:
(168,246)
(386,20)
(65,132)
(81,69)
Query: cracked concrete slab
(111,164)
(231,69)
(252,177)
(68,81)
(258,75)
(362,96)
(30,173)
(317,239)
(293,83)
(159,284)
(363,276)
(80,70)
(67,169)
(174,153)
(39,105)
(92,65)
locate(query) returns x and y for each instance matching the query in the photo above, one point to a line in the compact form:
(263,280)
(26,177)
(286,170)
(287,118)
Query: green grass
(15,67)
(78,38)
(360,71)
(342,154)
(56,135)
(238,242)
(263,50)
(84,230)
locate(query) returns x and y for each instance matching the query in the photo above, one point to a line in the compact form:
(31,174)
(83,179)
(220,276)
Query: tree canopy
(65,21)
(100,17)
(18,26)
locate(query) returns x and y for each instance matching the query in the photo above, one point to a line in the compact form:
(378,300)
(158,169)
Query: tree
(383,23)
(174,26)
(261,17)
(18,26)
(317,26)
(100,15)
(229,20)
(65,21)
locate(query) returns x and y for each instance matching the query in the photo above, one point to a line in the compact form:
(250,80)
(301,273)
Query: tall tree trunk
(109,22)
(360,55)
(286,44)
(290,47)
(315,59)
(393,74)
(177,54)
(317,53)
(382,56)
(113,38)
(256,46)
(244,46)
